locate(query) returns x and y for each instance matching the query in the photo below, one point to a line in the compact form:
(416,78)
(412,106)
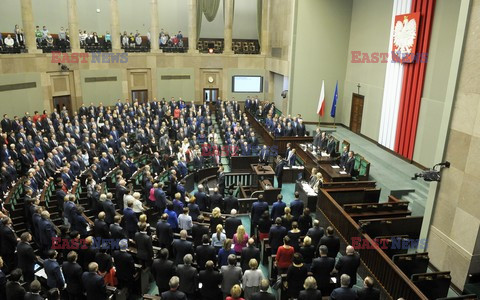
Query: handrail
(13,189)
(389,276)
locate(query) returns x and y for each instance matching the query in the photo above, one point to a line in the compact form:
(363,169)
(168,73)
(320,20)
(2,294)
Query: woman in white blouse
(252,279)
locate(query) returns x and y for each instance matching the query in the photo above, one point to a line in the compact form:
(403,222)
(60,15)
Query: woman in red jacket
(284,256)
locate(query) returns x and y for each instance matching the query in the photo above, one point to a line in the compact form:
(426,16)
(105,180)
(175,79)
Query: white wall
(245,20)
(215,28)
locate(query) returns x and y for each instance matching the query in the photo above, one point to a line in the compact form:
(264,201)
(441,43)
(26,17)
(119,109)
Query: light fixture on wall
(210,48)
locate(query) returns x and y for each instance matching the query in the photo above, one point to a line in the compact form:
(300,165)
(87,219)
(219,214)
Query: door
(63,101)
(210,95)
(356,113)
(140,95)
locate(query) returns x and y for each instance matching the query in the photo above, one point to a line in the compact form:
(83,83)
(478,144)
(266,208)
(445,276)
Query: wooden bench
(414,263)
(433,285)
(410,226)
(355,195)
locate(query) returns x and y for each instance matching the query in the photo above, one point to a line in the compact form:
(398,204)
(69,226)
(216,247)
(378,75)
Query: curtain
(199,18)
(233,4)
(259,20)
(210,8)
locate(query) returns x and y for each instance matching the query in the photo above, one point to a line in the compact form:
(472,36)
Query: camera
(432,174)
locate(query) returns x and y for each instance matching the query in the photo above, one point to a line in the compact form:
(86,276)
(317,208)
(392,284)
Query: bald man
(348,264)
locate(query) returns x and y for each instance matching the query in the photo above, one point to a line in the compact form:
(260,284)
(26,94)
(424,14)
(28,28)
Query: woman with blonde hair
(218,238)
(310,292)
(142,219)
(225,252)
(319,183)
(235,293)
(251,279)
(240,239)
(215,219)
(287,219)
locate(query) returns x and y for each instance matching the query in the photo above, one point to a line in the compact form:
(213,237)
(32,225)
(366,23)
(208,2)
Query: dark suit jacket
(263,296)
(73,277)
(204,253)
(348,264)
(94,285)
(162,271)
(198,231)
(231,225)
(350,165)
(343,293)
(368,294)
(26,257)
(332,243)
(144,246)
(173,295)
(275,236)
(210,281)
(54,274)
(117,232)
(164,234)
(101,229)
(3,282)
(8,240)
(180,249)
(30,296)
(230,203)
(248,253)
(14,291)
(109,210)
(188,276)
(310,294)
(321,268)
(130,220)
(104,261)
(124,264)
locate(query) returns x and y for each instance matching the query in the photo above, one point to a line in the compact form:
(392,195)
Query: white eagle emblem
(404,35)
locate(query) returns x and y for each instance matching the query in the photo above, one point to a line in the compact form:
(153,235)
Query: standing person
(252,279)
(240,239)
(225,252)
(348,264)
(283,260)
(296,275)
(173,293)
(235,293)
(232,275)
(210,280)
(310,292)
(263,294)
(188,276)
(258,208)
(279,170)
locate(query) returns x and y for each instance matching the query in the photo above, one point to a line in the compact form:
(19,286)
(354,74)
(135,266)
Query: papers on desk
(343,172)
(335,167)
(41,273)
(308,189)
(294,167)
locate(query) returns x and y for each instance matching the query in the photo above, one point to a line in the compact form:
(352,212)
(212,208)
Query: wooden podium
(262,172)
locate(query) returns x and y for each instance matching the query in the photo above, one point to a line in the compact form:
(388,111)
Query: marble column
(28,26)
(73,25)
(192,26)
(264,47)
(154,26)
(227,35)
(115,25)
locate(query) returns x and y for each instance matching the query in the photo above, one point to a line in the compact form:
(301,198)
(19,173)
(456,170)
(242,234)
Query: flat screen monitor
(247,84)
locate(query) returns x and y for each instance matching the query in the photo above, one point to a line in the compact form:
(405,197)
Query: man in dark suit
(232,223)
(173,293)
(201,198)
(116,231)
(210,280)
(26,257)
(108,207)
(120,192)
(131,219)
(34,294)
(296,206)
(221,181)
(198,230)
(181,247)
(332,242)
(258,207)
(100,227)
(279,170)
(94,284)
(348,264)
(160,197)
(344,292)
(263,294)
(8,243)
(350,164)
(124,265)
(230,202)
(164,232)
(162,270)
(144,246)
(316,233)
(53,271)
(321,269)
(368,292)
(188,276)
(14,289)
(276,235)
(216,200)
(343,157)
(249,252)
(72,272)
(205,252)
(264,155)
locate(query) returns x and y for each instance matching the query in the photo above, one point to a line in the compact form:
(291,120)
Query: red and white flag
(321,101)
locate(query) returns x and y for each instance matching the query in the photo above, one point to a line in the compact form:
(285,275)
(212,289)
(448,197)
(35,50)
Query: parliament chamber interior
(239,150)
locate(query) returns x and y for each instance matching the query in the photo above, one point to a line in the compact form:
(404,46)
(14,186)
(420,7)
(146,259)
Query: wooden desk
(278,144)
(309,200)
(290,175)
(262,172)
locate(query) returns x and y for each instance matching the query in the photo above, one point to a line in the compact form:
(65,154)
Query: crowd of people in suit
(197,252)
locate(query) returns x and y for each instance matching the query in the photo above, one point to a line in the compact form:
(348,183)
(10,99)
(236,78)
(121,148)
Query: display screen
(247,84)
